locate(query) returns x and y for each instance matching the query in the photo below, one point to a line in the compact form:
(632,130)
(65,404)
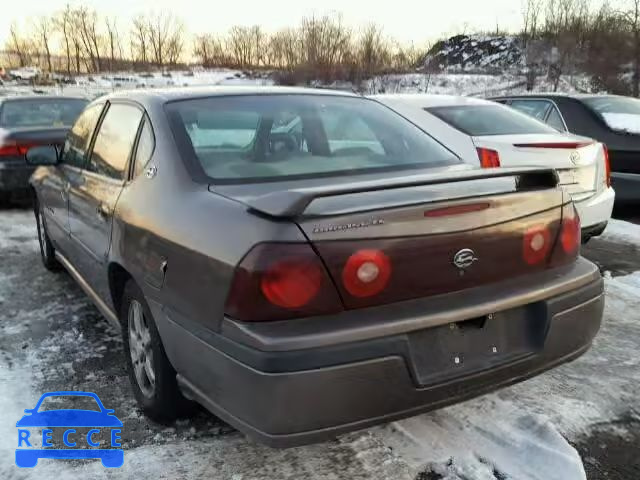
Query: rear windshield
(620,113)
(40,112)
(280,137)
(480,120)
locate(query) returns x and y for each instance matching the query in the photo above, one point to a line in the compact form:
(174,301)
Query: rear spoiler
(293,203)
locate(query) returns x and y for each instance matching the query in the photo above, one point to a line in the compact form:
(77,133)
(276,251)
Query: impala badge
(464,259)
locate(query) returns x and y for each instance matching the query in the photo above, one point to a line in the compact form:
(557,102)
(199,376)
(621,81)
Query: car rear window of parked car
(40,112)
(481,120)
(619,113)
(274,137)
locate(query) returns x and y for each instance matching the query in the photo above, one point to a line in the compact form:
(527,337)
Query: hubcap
(140,349)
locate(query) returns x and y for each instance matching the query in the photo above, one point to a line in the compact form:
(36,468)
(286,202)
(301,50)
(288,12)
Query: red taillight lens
(13,149)
(570,233)
(292,283)
(366,273)
(488,158)
(536,244)
(607,166)
(277,281)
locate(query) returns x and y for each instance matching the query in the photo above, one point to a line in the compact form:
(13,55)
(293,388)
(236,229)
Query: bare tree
(113,41)
(139,41)
(164,34)
(19,46)
(62,23)
(43,31)
(210,51)
(632,19)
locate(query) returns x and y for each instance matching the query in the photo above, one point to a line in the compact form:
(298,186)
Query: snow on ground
(52,338)
(469,84)
(618,230)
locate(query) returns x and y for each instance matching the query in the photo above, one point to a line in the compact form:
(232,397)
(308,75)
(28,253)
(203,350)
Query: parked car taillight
(570,232)
(488,158)
(366,273)
(277,281)
(607,166)
(536,244)
(14,149)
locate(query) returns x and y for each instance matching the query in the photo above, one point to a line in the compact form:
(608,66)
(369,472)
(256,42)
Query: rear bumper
(627,186)
(287,398)
(596,210)
(14,177)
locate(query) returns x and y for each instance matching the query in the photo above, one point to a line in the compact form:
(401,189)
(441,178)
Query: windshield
(68,402)
(619,113)
(40,112)
(480,120)
(276,137)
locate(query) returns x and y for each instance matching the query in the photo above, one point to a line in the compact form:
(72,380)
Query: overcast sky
(407,20)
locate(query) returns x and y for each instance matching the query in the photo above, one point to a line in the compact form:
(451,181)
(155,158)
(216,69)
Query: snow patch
(621,231)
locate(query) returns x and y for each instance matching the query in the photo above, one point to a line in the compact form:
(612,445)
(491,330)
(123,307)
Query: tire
(152,376)
(47,252)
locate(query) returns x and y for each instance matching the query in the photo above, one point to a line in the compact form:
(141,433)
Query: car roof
(148,96)
(422,100)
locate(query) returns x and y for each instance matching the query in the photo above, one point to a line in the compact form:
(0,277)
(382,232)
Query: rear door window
(114,141)
(144,150)
(78,139)
(534,108)
(483,120)
(555,120)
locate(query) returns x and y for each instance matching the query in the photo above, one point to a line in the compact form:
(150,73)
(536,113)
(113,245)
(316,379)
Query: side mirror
(43,155)
(29,410)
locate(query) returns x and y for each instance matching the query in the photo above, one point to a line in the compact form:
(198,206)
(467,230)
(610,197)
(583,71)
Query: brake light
(14,149)
(607,166)
(563,145)
(570,232)
(277,281)
(292,283)
(366,273)
(488,158)
(536,244)
(456,210)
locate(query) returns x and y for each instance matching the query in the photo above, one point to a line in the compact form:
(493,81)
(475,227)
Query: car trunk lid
(578,160)
(425,234)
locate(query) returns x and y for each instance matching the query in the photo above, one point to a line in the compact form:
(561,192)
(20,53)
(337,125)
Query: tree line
(564,37)
(79,40)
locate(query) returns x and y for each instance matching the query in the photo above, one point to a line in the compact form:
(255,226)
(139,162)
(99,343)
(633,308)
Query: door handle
(103,212)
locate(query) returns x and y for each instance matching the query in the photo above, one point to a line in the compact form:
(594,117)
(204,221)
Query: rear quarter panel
(200,235)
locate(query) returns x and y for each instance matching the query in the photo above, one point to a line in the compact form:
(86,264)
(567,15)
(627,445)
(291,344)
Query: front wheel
(152,377)
(47,252)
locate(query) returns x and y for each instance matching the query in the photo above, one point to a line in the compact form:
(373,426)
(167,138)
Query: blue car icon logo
(83,445)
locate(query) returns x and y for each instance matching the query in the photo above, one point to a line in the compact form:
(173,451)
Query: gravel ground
(52,338)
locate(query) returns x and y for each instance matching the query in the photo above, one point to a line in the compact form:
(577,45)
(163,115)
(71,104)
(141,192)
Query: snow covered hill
(475,52)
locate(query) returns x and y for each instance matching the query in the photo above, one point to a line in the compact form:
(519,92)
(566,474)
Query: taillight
(488,158)
(570,232)
(366,273)
(536,244)
(607,166)
(277,281)
(14,149)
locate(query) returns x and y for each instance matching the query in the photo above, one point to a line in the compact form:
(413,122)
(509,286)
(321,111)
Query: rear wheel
(47,252)
(152,377)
